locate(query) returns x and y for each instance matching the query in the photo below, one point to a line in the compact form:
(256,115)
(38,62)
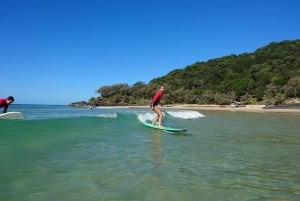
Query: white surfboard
(12,115)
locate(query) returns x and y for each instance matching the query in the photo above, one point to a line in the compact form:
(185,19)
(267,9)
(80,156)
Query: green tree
(292,88)
(271,92)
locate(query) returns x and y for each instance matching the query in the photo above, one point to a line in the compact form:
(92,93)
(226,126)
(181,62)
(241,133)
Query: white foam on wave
(146,117)
(186,114)
(108,115)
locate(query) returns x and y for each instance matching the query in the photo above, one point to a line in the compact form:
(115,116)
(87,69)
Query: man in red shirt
(154,107)
(6,102)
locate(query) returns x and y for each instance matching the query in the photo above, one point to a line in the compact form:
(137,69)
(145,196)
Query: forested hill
(271,73)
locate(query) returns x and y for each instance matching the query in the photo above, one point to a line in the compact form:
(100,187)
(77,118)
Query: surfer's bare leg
(154,120)
(159,116)
(159,120)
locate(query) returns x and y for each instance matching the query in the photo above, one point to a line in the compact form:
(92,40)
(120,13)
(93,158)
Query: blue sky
(62,51)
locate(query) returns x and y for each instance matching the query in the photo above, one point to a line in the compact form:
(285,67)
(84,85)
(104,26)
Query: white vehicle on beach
(237,104)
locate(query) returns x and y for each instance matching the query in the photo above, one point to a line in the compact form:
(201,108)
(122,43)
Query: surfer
(154,107)
(6,102)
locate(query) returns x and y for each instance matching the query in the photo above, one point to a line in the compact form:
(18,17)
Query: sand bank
(247,108)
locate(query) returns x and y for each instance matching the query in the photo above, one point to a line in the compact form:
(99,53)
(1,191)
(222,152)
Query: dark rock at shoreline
(284,106)
(78,104)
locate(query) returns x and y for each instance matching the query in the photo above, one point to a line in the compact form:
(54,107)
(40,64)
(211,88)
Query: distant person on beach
(153,105)
(6,102)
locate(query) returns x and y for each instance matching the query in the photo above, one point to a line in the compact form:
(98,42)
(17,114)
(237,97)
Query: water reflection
(156,149)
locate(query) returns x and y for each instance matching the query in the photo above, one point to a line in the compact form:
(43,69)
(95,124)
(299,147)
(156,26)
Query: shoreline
(247,108)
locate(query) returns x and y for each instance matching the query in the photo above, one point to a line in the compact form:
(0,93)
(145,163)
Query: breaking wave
(185,114)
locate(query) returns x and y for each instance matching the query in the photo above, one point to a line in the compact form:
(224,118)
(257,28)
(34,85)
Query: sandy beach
(246,108)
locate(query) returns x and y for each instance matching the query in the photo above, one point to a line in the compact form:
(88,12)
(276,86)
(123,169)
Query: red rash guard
(3,103)
(156,98)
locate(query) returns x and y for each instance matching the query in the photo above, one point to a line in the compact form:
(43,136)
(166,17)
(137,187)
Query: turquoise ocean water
(65,153)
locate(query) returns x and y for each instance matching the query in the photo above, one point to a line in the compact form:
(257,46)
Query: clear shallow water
(65,153)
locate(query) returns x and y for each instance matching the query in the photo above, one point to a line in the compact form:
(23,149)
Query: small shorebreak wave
(108,115)
(116,114)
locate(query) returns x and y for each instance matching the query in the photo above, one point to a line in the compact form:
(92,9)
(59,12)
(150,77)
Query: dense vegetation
(270,74)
